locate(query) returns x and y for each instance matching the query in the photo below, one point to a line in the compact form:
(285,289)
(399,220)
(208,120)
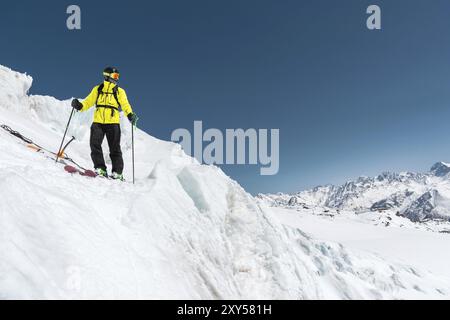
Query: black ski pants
(112,132)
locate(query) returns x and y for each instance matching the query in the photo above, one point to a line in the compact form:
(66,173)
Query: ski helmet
(111,74)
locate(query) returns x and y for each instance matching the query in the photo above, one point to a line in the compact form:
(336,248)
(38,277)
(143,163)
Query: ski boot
(101,172)
(117,176)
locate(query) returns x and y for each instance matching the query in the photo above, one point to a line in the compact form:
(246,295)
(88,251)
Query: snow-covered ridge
(183,231)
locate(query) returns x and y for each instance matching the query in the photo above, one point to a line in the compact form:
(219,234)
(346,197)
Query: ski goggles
(114,75)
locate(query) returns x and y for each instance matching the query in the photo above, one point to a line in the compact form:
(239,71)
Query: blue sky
(348,101)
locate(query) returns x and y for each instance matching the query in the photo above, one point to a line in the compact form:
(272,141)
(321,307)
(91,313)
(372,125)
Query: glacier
(183,231)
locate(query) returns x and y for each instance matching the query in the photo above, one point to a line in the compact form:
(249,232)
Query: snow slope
(409,245)
(183,231)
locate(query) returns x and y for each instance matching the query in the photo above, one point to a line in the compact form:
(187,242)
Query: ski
(30,144)
(86,173)
(62,158)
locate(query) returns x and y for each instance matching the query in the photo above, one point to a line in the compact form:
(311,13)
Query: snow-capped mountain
(416,196)
(184,230)
(440,169)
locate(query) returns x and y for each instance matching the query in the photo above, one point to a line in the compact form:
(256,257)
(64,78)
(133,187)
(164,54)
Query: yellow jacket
(104,114)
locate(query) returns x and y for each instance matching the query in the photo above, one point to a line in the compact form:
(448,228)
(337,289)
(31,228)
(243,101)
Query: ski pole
(61,153)
(64,137)
(132,147)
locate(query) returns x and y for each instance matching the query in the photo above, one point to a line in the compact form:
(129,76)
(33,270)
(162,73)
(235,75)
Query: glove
(77,104)
(133,118)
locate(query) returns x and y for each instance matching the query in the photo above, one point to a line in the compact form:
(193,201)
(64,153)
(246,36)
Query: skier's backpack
(115,91)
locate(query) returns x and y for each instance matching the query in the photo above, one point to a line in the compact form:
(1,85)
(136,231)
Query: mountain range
(420,197)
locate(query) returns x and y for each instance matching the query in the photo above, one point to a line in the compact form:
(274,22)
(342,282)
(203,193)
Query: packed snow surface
(183,231)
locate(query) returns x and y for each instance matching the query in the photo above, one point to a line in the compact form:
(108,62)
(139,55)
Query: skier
(107,97)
